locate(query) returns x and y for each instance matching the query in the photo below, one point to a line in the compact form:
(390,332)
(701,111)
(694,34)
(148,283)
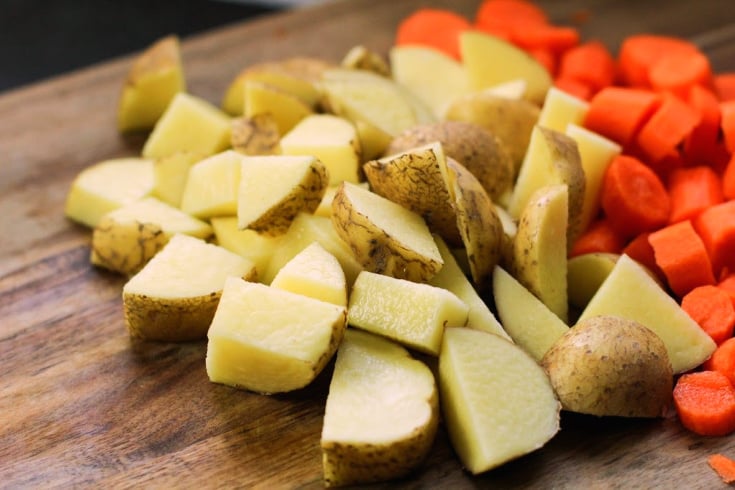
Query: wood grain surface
(81,405)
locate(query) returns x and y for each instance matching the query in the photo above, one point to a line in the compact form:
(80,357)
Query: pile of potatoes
(473,185)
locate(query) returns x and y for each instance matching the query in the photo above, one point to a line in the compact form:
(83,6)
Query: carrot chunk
(590,63)
(672,122)
(677,72)
(618,112)
(692,190)
(727,124)
(724,84)
(712,309)
(716,227)
(599,237)
(436,28)
(574,87)
(723,359)
(705,402)
(641,251)
(728,179)
(638,53)
(727,284)
(499,12)
(701,146)
(723,466)
(633,197)
(682,257)
(556,39)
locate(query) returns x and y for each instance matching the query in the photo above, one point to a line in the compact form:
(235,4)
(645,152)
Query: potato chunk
(162,302)
(381,415)
(268,340)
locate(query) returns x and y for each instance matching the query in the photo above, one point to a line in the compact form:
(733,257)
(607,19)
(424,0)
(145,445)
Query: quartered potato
(256,135)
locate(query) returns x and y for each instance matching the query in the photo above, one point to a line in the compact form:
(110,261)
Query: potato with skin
(610,366)
(540,248)
(510,120)
(413,179)
(362,58)
(381,415)
(476,148)
(256,135)
(384,236)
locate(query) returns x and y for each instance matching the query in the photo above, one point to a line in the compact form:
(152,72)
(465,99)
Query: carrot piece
(556,39)
(633,197)
(705,402)
(641,251)
(716,227)
(677,72)
(590,63)
(728,179)
(712,309)
(498,12)
(701,146)
(436,28)
(682,257)
(723,360)
(724,84)
(672,122)
(692,190)
(727,124)
(727,284)
(599,237)
(618,112)
(546,57)
(638,53)
(723,466)
(574,87)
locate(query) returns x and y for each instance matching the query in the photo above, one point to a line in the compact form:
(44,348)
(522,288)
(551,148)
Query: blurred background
(43,38)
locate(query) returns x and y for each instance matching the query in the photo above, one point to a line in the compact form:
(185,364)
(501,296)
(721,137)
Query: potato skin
(610,366)
(476,148)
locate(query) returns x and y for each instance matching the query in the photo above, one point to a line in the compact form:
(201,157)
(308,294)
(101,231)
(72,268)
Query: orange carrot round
(712,309)
(638,53)
(682,257)
(677,72)
(723,359)
(436,28)
(590,63)
(633,197)
(599,237)
(716,227)
(705,402)
(723,466)
(501,14)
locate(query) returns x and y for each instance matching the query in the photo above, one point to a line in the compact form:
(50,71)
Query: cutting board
(82,405)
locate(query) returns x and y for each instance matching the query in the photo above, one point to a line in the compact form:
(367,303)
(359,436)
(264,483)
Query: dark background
(42,38)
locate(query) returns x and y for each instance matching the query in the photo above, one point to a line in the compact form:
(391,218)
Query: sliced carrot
(492,12)
(436,28)
(727,124)
(638,53)
(633,197)
(716,227)
(705,402)
(556,39)
(677,72)
(599,237)
(590,63)
(723,359)
(682,257)
(672,122)
(728,179)
(692,190)
(724,84)
(574,87)
(701,146)
(641,251)
(618,113)
(712,309)
(727,284)
(723,466)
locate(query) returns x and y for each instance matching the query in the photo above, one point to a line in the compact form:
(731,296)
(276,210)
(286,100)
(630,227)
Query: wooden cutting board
(81,405)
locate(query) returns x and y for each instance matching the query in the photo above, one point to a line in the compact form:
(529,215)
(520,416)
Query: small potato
(477,149)
(608,365)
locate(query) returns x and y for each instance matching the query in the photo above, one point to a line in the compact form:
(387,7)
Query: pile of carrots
(668,200)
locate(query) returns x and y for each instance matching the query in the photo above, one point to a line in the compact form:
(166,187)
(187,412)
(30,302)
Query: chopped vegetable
(639,53)
(712,309)
(724,84)
(678,72)
(436,28)
(723,360)
(618,112)
(723,466)
(633,197)
(727,124)
(589,63)
(692,190)
(672,122)
(716,227)
(682,257)
(640,250)
(705,402)
(599,237)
